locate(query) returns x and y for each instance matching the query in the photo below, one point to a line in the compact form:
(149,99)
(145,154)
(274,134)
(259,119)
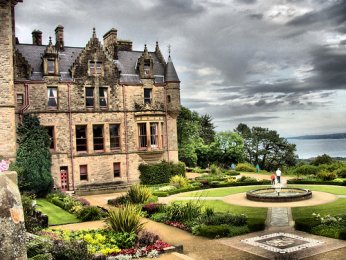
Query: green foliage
(223,218)
(160,217)
(47,256)
(183,211)
(125,219)
(266,148)
(179,181)
(37,245)
(215,170)
(138,194)
(90,213)
(160,172)
(245,167)
(70,250)
(306,170)
(32,223)
(322,159)
(216,231)
(341,172)
(326,176)
(33,157)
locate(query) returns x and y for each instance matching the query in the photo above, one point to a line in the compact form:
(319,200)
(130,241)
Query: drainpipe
(126,136)
(166,126)
(70,129)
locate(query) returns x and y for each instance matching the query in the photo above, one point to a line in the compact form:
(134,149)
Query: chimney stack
(36,37)
(59,38)
(110,40)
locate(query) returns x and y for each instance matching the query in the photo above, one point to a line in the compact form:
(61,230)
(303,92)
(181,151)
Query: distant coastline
(325,136)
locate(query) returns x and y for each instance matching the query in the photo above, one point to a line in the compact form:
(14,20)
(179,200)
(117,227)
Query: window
(142,135)
(169,98)
(162,136)
(154,135)
(116,169)
(89,97)
(147,96)
(147,67)
(20,99)
(81,138)
(50,130)
(83,172)
(98,137)
(52,98)
(114,136)
(50,66)
(103,97)
(95,68)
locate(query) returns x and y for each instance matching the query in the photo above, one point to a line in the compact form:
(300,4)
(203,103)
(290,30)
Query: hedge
(160,172)
(298,181)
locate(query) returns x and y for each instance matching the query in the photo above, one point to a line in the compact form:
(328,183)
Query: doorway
(64,178)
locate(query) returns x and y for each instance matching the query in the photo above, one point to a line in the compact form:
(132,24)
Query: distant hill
(327,136)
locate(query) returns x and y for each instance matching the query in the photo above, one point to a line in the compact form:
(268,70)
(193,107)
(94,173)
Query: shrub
(159,217)
(152,208)
(306,224)
(255,224)
(125,219)
(232,173)
(306,170)
(47,256)
(341,172)
(160,173)
(146,238)
(326,176)
(211,231)
(138,194)
(214,169)
(70,250)
(168,187)
(183,211)
(56,201)
(245,167)
(32,223)
(179,181)
(90,213)
(223,218)
(37,245)
(322,159)
(119,201)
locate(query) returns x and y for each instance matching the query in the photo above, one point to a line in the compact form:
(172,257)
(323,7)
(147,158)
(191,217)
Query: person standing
(278,175)
(272,178)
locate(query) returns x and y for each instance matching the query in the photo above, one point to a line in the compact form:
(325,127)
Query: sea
(309,148)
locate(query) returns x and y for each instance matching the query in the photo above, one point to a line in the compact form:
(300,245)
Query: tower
(7,99)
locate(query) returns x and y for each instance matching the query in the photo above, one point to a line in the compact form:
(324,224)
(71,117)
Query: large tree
(33,157)
(266,148)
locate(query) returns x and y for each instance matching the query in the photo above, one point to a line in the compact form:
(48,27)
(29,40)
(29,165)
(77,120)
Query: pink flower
(4,164)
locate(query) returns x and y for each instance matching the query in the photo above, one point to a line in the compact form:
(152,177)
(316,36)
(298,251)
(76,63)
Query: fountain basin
(279,194)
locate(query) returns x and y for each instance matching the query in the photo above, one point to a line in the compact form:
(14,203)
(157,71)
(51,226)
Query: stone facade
(107,107)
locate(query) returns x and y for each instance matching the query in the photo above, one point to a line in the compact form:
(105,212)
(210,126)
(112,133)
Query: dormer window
(95,68)
(51,66)
(147,67)
(147,95)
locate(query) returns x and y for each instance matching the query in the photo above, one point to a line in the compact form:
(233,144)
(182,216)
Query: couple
(276,175)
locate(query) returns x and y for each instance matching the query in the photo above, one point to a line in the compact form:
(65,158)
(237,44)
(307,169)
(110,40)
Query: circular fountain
(279,194)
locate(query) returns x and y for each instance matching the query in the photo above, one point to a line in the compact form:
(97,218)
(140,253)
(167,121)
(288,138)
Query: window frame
(142,136)
(116,169)
(99,138)
(85,139)
(154,137)
(105,97)
(55,97)
(89,97)
(50,64)
(85,174)
(20,104)
(148,99)
(52,146)
(95,68)
(116,137)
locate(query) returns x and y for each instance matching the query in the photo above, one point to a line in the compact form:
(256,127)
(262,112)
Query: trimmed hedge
(216,231)
(160,172)
(298,181)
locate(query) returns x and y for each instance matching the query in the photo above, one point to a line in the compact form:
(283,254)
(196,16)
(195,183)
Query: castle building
(106,107)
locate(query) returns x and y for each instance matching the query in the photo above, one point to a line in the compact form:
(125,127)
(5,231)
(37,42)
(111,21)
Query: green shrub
(183,211)
(119,201)
(306,170)
(159,217)
(245,167)
(90,213)
(37,245)
(47,256)
(160,173)
(56,201)
(70,250)
(223,218)
(326,176)
(256,224)
(138,194)
(306,224)
(216,231)
(238,230)
(215,170)
(232,173)
(322,159)
(160,193)
(341,172)
(179,181)
(125,219)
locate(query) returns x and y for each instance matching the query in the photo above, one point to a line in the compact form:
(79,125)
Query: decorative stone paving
(282,242)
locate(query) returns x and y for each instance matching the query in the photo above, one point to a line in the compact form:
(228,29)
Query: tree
(322,159)
(228,148)
(266,148)
(33,157)
(206,130)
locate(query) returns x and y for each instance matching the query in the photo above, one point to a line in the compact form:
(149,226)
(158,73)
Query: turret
(172,87)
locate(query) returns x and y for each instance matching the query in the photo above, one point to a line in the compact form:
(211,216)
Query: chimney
(36,37)
(59,38)
(110,42)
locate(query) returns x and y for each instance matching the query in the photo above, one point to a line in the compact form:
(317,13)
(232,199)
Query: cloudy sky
(279,64)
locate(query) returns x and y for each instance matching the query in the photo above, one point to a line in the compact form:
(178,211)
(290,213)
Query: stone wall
(12,229)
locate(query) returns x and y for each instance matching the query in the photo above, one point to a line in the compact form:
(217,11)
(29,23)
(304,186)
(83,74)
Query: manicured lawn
(338,190)
(56,215)
(335,208)
(221,192)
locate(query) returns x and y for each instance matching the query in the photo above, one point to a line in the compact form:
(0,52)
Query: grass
(56,215)
(335,208)
(221,192)
(337,190)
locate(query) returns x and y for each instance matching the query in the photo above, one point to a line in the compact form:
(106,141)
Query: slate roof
(170,73)
(126,63)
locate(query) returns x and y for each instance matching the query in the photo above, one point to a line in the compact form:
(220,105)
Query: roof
(170,73)
(126,63)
